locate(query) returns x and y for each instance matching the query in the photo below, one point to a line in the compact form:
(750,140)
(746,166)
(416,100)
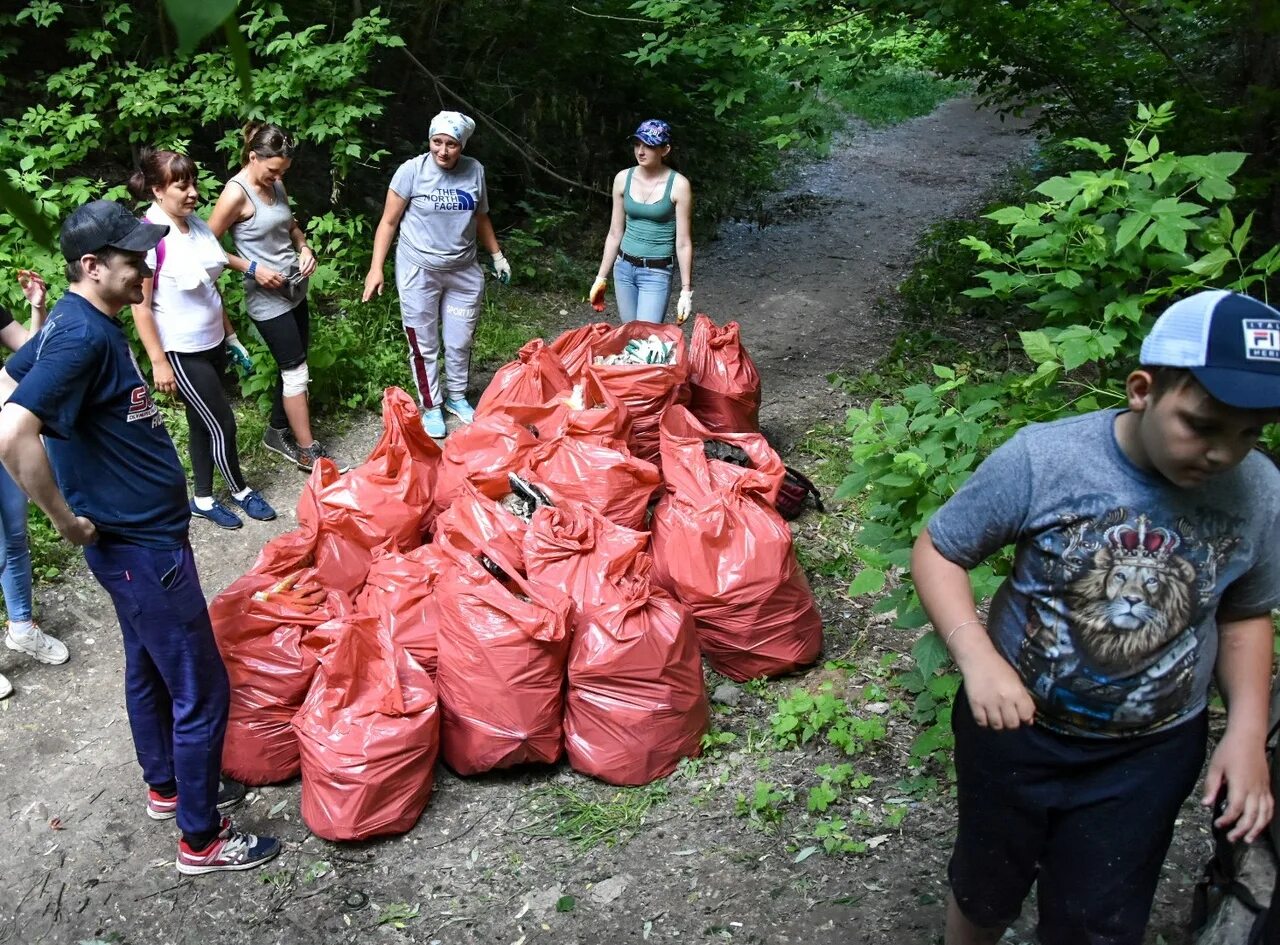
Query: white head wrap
(454,124)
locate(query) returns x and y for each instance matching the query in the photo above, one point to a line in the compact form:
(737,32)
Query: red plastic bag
(724,385)
(636,702)
(484,452)
(389,496)
(368,732)
(647,389)
(259,623)
(400,592)
(536,376)
(574,347)
(502,663)
(722,548)
(598,472)
(579,552)
(476,523)
(586,410)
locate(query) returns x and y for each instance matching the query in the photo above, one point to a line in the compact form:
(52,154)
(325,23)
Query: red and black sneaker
(159,807)
(230,850)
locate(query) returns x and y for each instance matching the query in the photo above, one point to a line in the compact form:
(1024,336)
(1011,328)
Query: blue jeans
(641,292)
(176,687)
(16,579)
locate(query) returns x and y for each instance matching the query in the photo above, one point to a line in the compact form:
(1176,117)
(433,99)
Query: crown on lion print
(1143,543)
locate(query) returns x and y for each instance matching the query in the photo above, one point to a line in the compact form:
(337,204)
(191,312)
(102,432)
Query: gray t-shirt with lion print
(1120,577)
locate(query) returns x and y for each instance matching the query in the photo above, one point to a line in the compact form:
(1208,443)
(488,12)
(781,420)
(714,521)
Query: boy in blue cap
(121,494)
(1145,558)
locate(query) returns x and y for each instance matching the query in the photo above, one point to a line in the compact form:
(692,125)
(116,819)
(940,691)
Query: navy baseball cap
(655,133)
(103,223)
(1230,343)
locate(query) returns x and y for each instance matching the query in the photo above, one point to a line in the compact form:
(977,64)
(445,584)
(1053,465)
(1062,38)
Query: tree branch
(1154,40)
(606,16)
(497,128)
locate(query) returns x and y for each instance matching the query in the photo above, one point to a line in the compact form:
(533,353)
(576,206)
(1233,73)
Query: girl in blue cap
(649,232)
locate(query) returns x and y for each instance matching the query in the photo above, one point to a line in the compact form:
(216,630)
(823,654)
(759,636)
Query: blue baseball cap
(1230,343)
(654,132)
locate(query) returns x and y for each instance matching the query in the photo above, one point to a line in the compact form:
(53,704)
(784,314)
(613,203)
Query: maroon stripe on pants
(419,367)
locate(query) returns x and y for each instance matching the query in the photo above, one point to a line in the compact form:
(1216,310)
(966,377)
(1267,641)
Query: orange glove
(596,296)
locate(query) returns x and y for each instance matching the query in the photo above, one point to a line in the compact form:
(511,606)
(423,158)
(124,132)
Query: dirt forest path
(81,861)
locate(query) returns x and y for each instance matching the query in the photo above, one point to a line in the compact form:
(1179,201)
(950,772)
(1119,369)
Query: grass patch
(895,94)
(587,818)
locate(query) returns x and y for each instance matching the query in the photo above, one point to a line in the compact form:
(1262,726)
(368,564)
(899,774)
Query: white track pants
(428,299)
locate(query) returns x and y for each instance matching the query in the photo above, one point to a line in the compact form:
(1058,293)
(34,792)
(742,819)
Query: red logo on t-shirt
(141,406)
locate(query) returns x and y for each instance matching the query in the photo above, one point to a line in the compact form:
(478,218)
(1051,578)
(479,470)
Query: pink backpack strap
(155,273)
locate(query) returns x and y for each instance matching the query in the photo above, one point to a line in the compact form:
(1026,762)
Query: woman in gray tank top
(273,254)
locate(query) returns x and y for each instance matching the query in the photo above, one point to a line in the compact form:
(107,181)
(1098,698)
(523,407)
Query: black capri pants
(287,337)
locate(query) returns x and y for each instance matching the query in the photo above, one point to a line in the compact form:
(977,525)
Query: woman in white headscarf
(439,203)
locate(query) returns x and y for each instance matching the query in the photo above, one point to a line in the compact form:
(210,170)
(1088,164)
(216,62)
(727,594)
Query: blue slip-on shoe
(460,409)
(433,423)
(255,506)
(220,515)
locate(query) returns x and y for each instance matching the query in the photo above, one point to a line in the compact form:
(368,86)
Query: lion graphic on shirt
(1137,596)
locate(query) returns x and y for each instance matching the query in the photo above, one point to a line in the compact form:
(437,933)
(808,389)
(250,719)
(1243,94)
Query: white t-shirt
(438,229)
(184,298)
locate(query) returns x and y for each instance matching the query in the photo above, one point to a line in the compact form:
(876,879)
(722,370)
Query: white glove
(501,268)
(239,353)
(684,306)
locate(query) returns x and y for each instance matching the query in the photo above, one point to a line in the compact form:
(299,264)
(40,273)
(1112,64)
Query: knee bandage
(295,380)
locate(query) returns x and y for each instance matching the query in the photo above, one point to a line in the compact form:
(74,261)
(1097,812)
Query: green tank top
(651,227)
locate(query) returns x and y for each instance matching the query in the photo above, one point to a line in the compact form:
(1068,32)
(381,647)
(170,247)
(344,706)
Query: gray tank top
(264,239)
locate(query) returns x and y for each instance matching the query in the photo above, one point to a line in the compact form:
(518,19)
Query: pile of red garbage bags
(517,596)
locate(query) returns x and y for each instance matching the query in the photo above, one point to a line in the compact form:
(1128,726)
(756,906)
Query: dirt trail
(805,289)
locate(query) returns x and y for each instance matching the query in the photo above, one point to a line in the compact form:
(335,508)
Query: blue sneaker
(255,506)
(433,423)
(460,409)
(220,515)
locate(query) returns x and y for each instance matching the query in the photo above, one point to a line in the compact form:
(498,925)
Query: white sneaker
(39,646)
(6,687)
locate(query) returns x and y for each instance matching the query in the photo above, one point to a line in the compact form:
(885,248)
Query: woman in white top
(184,327)
(439,204)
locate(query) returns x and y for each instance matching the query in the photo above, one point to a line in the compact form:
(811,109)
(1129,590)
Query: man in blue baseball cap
(111,483)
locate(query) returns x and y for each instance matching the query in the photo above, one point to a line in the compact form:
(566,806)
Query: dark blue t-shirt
(113,458)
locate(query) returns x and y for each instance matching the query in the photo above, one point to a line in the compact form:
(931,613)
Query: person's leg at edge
(460,307)
(421,292)
(625,290)
(654,290)
(1099,874)
(1002,827)
(16,578)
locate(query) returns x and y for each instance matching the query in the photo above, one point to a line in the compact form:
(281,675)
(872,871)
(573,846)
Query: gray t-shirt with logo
(1120,577)
(438,229)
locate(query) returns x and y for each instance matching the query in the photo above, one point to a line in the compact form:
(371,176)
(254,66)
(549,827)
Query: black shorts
(1087,819)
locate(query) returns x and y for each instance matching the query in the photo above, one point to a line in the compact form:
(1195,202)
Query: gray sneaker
(281,442)
(307,456)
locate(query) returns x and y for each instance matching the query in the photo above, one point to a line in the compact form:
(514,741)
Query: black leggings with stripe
(212,424)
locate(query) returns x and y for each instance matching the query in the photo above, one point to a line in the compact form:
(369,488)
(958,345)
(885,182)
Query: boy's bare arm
(1239,763)
(995,691)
